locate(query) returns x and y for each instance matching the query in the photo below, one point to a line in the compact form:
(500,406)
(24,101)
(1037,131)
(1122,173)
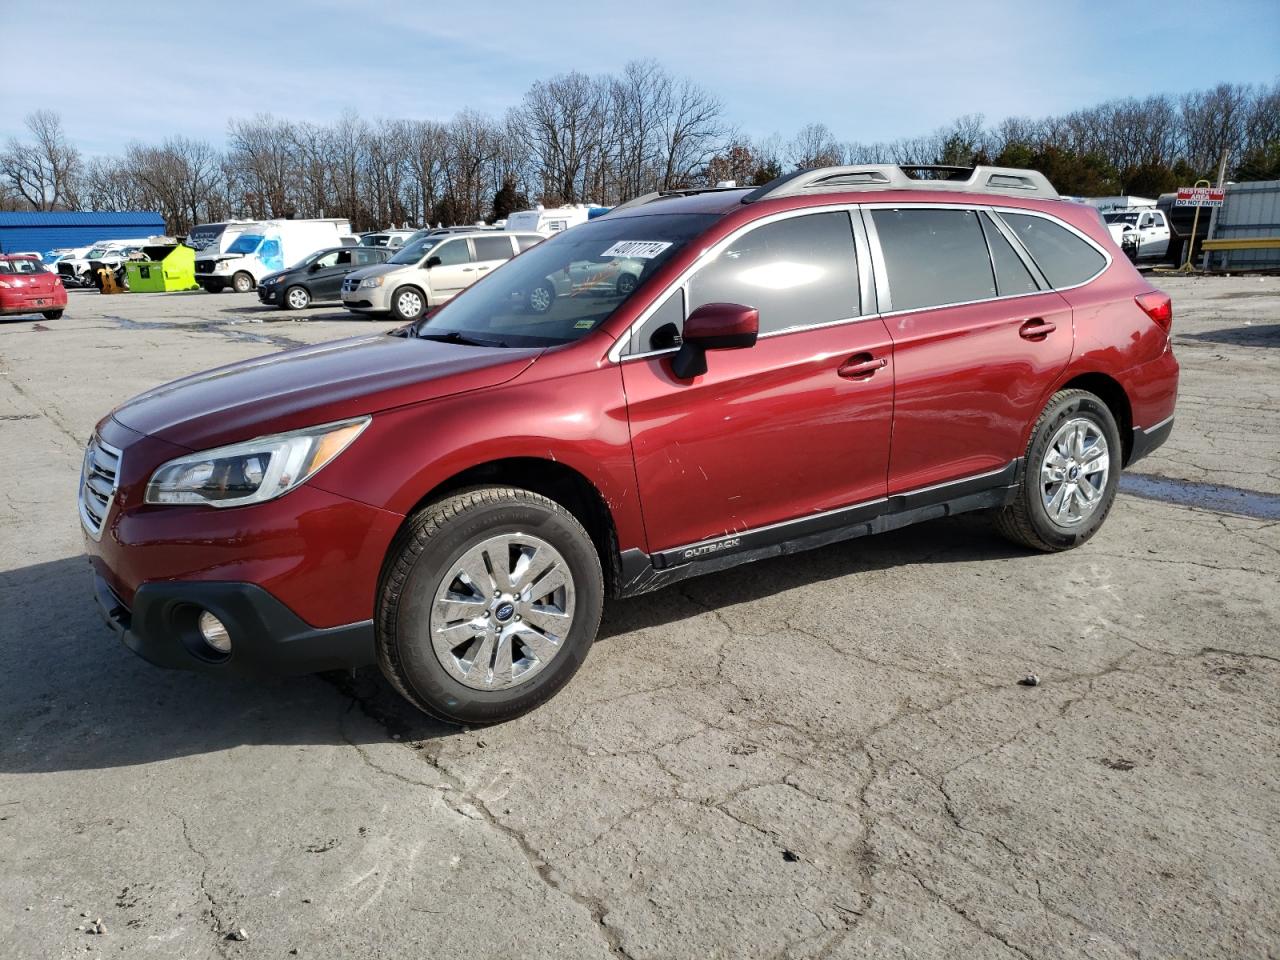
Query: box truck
(263,247)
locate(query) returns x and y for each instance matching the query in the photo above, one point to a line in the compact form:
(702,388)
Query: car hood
(377,270)
(313,385)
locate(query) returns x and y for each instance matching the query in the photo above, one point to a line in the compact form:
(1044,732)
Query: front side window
(563,288)
(934,257)
(453,253)
(492,248)
(1064,258)
(330,259)
(245,243)
(416,251)
(797,272)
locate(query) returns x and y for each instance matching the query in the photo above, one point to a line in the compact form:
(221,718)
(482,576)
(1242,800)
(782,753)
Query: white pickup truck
(1141,233)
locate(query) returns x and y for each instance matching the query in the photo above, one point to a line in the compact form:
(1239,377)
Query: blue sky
(870,71)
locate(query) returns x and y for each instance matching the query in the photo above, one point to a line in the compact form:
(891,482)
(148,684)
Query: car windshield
(22,265)
(415,251)
(1122,218)
(245,243)
(563,288)
(97,253)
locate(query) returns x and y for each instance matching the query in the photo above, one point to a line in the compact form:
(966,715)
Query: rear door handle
(1036,329)
(861,366)
(468,269)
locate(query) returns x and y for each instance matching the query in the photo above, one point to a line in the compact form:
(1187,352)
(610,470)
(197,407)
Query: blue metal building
(42,232)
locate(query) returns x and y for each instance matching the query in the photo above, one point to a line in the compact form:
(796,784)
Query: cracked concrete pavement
(824,755)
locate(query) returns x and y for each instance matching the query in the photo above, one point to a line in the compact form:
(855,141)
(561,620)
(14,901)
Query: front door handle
(1036,329)
(861,365)
(468,269)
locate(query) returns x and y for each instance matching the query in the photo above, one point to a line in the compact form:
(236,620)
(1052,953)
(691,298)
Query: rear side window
(1064,258)
(493,248)
(934,257)
(797,272)
(1012,276)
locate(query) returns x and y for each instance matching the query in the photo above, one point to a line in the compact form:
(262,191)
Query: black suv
(318,277)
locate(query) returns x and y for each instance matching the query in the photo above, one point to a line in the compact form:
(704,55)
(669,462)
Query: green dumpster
(165,267)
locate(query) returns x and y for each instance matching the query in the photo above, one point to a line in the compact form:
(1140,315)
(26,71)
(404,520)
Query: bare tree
(42,172)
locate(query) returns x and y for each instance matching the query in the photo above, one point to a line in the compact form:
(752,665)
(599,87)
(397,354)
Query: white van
(549,221)
(263,247)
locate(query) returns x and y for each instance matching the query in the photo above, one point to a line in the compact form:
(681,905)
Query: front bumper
(367,298)
(267,638)
(270,294)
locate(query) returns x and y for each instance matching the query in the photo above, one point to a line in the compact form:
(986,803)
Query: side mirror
(433,262)
(714,326)
(314,267)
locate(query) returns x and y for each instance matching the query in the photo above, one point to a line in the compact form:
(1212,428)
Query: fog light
(214,633)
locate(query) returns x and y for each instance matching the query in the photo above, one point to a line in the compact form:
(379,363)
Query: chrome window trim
(710,253)
(860,505)
(879,287)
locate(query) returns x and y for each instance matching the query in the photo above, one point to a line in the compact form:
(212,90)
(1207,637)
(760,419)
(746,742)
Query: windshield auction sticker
(636,249)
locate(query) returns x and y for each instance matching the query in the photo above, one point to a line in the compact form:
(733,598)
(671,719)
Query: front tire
(488,604)
(408,304)
(1071,475)
(242,283)
(296,298)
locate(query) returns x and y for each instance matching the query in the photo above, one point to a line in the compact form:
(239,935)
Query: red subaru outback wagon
(696,380)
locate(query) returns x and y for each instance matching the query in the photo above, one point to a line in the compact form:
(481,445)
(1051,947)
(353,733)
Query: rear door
(977,340)
(789,429)
(455,271)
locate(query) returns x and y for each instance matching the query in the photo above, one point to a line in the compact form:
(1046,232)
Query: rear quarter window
(1065,258)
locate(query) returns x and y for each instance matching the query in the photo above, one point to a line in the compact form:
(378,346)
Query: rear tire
(242,283)
(1072,472)
(442,633)
(51,314)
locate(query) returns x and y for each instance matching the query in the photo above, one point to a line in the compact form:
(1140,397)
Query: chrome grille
(98,481)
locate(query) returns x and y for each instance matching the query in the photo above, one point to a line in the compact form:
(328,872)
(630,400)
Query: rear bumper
(1146,440)
(267,638)
(13,306)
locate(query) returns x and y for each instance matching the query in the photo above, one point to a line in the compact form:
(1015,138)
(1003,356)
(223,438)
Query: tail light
(1158,307)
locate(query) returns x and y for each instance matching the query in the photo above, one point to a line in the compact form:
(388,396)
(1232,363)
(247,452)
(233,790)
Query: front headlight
(371,282)
(253,471)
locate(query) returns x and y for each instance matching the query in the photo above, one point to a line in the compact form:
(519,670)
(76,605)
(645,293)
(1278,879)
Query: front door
(326,282)
(795,426)
(1153,236)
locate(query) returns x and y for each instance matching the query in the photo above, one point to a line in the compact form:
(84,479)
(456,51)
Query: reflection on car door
(781,430)
(971,368)
(454,272)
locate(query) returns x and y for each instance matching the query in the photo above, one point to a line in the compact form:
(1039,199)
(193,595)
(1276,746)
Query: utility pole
(1213,216)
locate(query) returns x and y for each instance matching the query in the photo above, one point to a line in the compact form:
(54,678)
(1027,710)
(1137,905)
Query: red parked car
(27,287)
(840,352)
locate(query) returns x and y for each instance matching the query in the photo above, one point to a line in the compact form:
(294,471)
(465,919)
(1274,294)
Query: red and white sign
(1200,196)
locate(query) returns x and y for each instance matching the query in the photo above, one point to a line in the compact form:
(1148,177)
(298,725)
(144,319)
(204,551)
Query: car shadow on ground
(73,698)
(1253,335)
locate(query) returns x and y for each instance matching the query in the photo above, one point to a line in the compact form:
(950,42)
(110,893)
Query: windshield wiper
(454,336)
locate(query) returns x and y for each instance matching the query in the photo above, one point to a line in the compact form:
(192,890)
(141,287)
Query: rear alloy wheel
(408,304)
(490,600)
(242,283)
(297,298)
(1072,473)
(51,314)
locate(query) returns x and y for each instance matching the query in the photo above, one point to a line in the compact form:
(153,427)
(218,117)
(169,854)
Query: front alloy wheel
(502,612)
(297,298)
(489,601)
(408,304)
